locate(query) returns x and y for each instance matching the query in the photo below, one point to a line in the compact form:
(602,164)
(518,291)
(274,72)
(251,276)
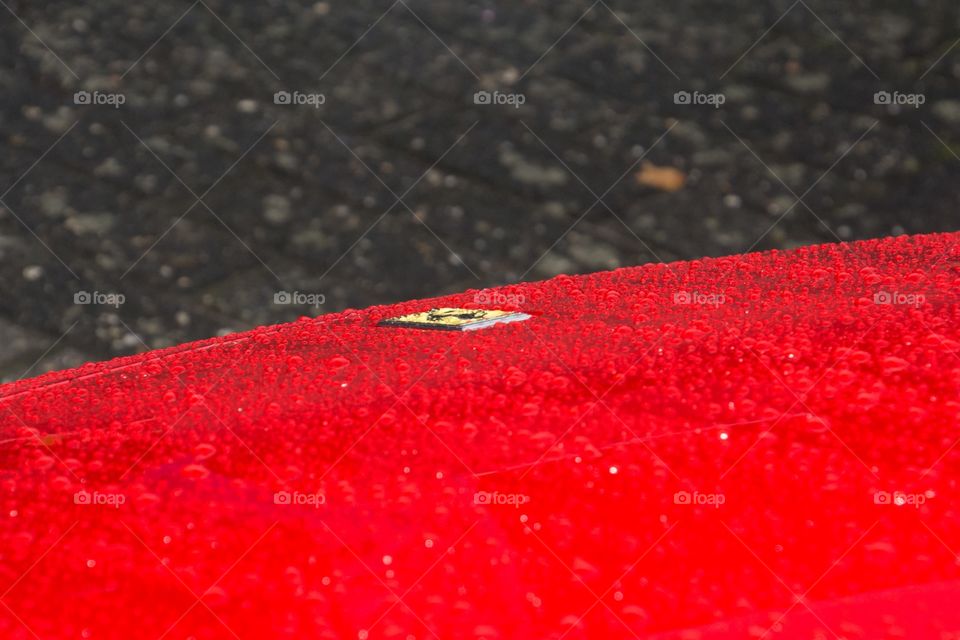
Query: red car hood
(755,446)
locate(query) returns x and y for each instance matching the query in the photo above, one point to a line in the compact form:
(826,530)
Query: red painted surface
(776,390)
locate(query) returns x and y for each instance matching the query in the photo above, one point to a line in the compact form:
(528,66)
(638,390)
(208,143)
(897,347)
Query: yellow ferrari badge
(453,319)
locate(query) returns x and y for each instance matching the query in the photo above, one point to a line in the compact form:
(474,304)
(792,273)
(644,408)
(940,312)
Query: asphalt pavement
(175,171)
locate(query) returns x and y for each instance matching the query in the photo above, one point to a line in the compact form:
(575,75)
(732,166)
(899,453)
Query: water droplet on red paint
(584,569)
(21,540)
(215,596)
(204,450)
(337,362)
(515,377)
(195,471)
(147,499)
(485,632)
(892,364)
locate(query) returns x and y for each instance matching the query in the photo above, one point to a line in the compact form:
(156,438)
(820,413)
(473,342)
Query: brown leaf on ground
(662,178)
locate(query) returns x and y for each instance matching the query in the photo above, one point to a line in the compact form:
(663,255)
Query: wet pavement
(178,171)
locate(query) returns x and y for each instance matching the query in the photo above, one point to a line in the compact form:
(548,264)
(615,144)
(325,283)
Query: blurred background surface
(179,170)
